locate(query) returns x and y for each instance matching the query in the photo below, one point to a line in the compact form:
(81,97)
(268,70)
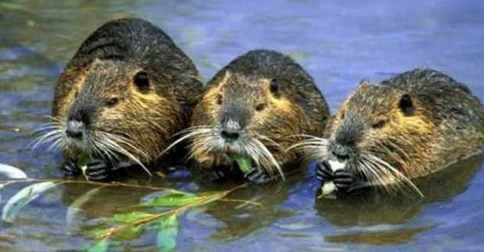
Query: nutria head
(253,116)
(381,133)
(118,110)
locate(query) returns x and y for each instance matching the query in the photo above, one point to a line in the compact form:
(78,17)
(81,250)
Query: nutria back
(443,96)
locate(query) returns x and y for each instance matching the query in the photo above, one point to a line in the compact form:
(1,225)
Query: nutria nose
(341,152)
(230,135)
(75,129)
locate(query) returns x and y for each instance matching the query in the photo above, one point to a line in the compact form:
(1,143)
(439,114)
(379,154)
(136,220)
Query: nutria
(406,127)
(257,106)
(121,97)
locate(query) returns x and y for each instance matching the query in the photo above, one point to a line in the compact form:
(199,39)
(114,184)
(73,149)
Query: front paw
(70,168)
(257,176)
(324,172)
(343,179)
(98,170)
(221,174)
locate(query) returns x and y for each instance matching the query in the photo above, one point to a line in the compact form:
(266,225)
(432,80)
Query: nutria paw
(343,179)
(99,169)
(221,173)
(258,176)
(323,171)
(218,175)
(70,168)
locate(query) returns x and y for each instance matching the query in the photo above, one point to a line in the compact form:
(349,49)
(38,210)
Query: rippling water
(338,42)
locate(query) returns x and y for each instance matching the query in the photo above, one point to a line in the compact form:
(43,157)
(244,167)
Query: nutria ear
(364,82)
(406,105)
(142,81)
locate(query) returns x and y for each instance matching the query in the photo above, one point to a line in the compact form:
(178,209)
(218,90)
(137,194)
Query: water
(338,42)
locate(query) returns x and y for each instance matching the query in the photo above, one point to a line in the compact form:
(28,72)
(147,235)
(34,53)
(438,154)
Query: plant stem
(203,200)
(87,182)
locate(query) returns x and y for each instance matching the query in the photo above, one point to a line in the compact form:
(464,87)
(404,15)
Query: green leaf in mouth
(244,162)
(83,160)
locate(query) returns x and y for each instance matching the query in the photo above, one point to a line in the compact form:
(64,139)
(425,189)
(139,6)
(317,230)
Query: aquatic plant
(161,212)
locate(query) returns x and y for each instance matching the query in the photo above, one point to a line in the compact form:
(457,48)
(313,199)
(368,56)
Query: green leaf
(171,200)
(129,217)
(130,232)
(101,246)
(23,198)
(82,160)
(167,233)
(97,231)
(244,162)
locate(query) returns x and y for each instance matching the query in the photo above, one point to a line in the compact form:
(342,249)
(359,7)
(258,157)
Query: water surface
(338,42)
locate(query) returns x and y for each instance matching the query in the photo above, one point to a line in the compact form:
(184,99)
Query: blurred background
(337,42)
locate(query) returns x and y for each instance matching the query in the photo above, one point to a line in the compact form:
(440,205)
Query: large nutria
(121,97)
(406,127)
(257,106)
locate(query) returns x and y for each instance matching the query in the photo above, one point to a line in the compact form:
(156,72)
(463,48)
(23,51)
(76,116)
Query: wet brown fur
(103,68)
(246,81)
(447,122)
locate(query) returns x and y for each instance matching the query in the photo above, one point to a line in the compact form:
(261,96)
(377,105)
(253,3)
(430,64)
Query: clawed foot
(258,176)
(342,179)
(70,168)
(323,172)
(96,169)
(221,174)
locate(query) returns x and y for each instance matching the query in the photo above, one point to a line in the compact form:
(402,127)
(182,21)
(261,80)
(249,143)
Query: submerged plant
(161,213)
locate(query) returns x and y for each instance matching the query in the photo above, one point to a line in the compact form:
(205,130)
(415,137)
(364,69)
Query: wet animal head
(117,111)
(244,115)
(379,132)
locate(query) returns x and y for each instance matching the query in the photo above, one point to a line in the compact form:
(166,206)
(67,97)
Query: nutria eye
(142,81)
(379,124)
(260,107)
(112,102)
(274,86)
(220,99)
(342,115)
(406,105)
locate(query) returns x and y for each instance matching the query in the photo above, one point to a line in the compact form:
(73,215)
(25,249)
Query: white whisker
(265,153)
(396,173)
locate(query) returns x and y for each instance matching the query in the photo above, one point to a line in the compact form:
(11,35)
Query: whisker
(54,144)
(192,129)
(111,144)
(267,154)
(129,143)
(181,139)
(53,118)
(397,173)
(274,143)
(47,137)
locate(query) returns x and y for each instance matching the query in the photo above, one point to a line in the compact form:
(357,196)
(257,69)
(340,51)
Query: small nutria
(121,97)
(257,106)
(406,127)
